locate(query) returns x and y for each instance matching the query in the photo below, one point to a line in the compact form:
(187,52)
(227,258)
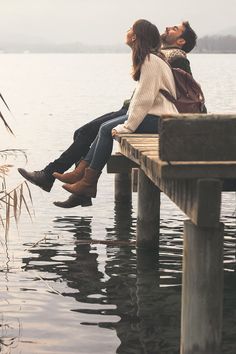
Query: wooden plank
(118,163)
(212,116)
(137,136)
(178,169)
(197,139)
(183,170)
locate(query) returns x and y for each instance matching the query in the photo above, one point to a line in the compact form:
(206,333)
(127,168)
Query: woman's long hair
(147,41)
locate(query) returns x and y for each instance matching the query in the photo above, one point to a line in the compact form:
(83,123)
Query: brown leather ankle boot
(74,176)
(87,186)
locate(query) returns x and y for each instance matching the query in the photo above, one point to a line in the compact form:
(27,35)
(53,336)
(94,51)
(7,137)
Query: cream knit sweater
(147,99)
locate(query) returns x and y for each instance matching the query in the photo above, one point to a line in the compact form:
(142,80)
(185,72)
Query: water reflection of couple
(126,296)
(152,74)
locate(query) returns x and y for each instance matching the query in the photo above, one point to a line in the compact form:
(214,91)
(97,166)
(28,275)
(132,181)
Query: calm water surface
(71,280)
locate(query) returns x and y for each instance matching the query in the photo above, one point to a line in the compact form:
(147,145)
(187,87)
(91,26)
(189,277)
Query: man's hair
(189,36)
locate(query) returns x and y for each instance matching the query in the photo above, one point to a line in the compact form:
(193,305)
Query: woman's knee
(105,129)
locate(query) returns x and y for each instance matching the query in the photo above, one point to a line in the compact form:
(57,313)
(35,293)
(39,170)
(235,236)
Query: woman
(152,74)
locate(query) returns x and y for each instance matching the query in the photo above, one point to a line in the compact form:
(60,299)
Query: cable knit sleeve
(146,91)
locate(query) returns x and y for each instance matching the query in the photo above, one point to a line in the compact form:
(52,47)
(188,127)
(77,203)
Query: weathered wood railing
(191,160)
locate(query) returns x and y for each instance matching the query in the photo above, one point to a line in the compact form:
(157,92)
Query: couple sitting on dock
(93,142)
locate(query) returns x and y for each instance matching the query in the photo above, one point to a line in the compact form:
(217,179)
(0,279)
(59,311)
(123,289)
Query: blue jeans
(101,148)
(83,138)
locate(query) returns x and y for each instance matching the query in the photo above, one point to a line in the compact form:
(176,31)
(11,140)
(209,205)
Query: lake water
(72,280)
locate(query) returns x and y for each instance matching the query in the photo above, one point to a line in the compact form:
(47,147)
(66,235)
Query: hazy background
(104,22)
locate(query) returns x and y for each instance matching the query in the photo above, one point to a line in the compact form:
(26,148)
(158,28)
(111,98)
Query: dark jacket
(177,58)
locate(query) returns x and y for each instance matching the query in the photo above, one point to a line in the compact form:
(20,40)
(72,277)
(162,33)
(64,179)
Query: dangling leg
(83,138)
(74,176)
(44,178)
(97,157)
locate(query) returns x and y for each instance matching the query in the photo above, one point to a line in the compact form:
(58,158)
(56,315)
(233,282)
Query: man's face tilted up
(172,36)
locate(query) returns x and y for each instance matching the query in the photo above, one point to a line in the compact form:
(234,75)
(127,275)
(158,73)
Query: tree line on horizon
(206,44)
(216,44)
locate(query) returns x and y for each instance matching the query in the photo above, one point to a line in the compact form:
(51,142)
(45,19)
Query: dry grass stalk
(11,203)
(2,117)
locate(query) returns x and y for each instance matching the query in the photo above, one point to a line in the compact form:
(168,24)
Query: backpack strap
(162,57)
(166,93)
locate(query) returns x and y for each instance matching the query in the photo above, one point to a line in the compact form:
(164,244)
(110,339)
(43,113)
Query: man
(176,42)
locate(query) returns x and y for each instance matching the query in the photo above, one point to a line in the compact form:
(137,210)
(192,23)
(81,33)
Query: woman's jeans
(101,148)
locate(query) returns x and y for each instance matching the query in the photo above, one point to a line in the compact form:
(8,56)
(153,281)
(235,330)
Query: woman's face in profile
(130,37)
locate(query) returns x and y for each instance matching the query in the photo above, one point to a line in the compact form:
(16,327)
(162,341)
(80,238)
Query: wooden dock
(192,160)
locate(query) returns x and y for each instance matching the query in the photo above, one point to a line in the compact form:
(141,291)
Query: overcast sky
(105,21)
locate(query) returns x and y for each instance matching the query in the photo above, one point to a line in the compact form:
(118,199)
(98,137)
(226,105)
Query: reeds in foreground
(11,202)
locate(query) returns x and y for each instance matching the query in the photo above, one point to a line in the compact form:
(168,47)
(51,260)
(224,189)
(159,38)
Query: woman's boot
(74,176)
(87,186)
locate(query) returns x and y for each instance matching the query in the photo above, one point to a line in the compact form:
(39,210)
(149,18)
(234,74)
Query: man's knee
(76,132)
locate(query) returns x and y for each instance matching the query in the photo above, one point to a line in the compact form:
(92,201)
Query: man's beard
(165,39)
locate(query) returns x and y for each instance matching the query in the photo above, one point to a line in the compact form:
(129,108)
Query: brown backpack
(190,98)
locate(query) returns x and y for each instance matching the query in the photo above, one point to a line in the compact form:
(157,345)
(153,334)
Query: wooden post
(123,190)
(123,221)
(135,179)
(149,313)
(148,216)
(202,293)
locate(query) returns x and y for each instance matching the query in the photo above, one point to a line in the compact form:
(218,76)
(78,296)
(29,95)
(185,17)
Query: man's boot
(39,178)
(74,176)
(73,201)
(87,186)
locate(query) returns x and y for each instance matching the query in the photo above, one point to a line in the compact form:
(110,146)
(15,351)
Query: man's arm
(181,63)
(126,104)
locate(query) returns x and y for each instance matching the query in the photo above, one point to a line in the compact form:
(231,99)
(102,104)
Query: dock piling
(123,188)
(192,160)
(148,216)
(202,289)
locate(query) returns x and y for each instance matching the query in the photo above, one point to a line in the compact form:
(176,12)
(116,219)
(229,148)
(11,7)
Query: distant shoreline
(205,45)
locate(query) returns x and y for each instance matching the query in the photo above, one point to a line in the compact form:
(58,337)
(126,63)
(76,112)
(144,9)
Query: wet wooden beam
(198,138)
(118,163)
(200,199)
(147,157)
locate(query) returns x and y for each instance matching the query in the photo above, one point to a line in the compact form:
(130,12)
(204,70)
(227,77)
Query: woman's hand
(113,132)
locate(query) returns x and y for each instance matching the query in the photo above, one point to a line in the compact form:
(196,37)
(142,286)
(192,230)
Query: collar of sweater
(173,52)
